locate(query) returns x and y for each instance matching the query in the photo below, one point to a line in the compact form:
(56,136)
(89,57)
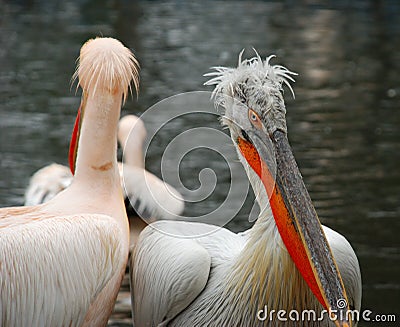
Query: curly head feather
(253,72)
(105,63)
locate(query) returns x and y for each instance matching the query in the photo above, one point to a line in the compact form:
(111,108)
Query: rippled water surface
(343,124)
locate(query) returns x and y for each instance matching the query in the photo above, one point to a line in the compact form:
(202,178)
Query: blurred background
(343,124)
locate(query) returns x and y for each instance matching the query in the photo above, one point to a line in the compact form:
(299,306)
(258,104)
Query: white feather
(35,256)
(171,262)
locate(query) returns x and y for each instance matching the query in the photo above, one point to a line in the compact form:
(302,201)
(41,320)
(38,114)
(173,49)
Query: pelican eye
(255,119)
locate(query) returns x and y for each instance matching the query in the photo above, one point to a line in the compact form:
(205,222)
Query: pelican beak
(73,145)
(297,220)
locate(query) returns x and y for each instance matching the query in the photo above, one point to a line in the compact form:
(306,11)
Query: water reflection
(343,125)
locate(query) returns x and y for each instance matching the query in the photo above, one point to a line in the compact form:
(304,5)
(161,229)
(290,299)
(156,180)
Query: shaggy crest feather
(105,63)
(254,70)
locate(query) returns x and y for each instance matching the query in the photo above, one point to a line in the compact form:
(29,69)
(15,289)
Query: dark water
(343,124)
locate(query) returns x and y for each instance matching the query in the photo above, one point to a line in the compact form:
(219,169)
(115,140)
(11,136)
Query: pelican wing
(171,265)
(150,196)
(167,275)
(52,269)
(46,183)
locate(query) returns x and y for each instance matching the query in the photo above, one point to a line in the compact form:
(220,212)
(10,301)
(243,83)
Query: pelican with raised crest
(194,274)
(62,262)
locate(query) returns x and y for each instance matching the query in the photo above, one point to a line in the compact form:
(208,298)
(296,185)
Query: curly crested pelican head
(253,84)
(252,97)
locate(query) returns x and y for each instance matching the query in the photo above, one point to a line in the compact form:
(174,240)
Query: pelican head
(131,124)
(252,97)
(105,67)
(105,63)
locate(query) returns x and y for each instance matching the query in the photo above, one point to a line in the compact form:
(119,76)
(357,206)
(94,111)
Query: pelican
(62,262)
(145,194)
(195,274)
(149,195)
(143,191)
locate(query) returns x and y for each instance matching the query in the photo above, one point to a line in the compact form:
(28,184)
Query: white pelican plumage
(62,262)
(286,261)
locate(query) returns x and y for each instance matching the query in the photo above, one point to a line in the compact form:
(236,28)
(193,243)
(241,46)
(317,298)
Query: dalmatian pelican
(62,262)
(195,274)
